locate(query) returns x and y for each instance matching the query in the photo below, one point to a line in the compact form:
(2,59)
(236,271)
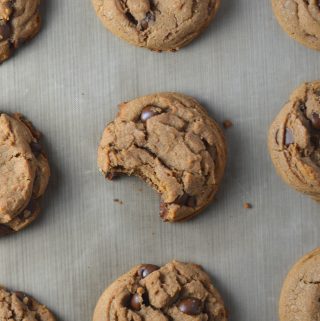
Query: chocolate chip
(315,141)
(5,31)
(186,200)
(302,107)
(36,148)
(131,18)
(144,24)
(148,112)
(190,306)
(147,269)
(288,139)
(135,302)
(5,230)
(315,120)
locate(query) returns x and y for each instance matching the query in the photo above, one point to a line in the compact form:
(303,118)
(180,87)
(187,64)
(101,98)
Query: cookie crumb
(116,200)
(227,123)
(247,205)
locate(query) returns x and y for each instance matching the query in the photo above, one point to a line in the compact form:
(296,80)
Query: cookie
(19,22)
(169,141)
(294,140)
(18,306)
(299,299)
(165,25)
(176,291)
(24,173)
(300,19)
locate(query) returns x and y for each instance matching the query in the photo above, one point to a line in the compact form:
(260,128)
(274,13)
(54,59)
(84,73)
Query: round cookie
(18,306)
(300,19)
(294,140)
(176,291)
(165,25)
(299,299)
(19,22)
(170,142)
(24,173)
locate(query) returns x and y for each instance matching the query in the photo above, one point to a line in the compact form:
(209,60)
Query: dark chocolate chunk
(135,302)
(147,269)
(5,31)
(190,306)
(288,139)
(186,200)
(149,112)
(144,24)
(315,120)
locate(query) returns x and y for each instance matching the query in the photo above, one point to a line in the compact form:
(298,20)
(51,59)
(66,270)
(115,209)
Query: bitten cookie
(18,306)
(24,173)
(300,19)
(176,291)
(299,299)
(165,25)
(294,140)
(19,22)
(170,142)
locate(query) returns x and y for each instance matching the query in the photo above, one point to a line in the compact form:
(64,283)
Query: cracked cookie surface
(294,140)
(18,306)
(169,141)
(165,25)
(299,299)
(300,19)
(174,292)
(24,173)
(19,22)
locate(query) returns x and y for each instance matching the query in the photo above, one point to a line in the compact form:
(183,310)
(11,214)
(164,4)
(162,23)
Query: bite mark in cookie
(170,142)
(158,25)
(175,291)
(294,140)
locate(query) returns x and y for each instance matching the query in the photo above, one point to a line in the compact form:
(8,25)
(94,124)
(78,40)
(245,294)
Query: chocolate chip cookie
(165,25)
(169,141)
(299,300)
(176,291)
(294,140)
(300,19)
(19,22)
(24,173)
(18,306)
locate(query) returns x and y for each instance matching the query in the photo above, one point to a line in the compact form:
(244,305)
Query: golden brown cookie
(18,306)
(24,173)
(294,140)
(19,22)
(165,25)
(169,141)
(300,19)
(300,295)
(176,291)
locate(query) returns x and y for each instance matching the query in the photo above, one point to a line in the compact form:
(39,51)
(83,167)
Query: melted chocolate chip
(5,230)
(288,139)
(315,121)
(5,32)
(147,269)
(144,24)
(36,148)
(190,306)
(131,18)
(186,200)
(135,302)
(148,112)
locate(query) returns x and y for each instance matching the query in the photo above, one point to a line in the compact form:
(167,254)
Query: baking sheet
(69,80)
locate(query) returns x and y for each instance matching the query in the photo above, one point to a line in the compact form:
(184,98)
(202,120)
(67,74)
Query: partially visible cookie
(165,25)
(294,140)
(19,22)
(169,141)
(18,306)
(176,291)
(300,295)
(300,19)
(24,173)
